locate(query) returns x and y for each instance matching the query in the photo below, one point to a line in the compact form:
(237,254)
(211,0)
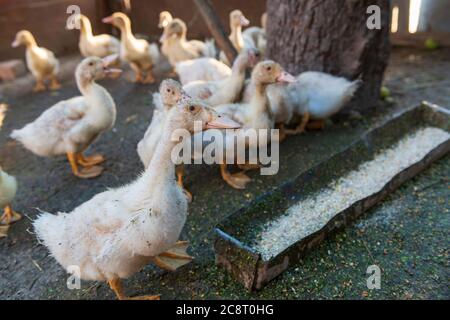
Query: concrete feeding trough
(259,242)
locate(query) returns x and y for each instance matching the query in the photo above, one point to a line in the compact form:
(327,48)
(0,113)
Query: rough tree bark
(331,36)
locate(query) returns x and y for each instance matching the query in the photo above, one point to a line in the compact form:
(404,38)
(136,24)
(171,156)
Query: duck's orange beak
(222,122)
(15,43)
(286,77)
(107,62)
(108,20)
(244,21)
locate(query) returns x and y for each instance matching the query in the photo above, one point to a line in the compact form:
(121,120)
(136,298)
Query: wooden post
(332,37)
(215,26)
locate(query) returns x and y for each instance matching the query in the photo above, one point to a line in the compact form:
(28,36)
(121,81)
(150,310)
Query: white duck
(70,126)
(255,115)
(314,96)
(138,53)
(164,19)
(257,35)
(8,189)
(237,21)
(119,231)
(227,90)
(41,62)
(178,48)
(170,93)
(101,45)
(317,96)
(202,69)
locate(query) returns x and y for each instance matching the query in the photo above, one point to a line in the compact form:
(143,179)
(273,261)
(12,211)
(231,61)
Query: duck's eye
(191,108)
(91,63)
(269,68)
(168,90)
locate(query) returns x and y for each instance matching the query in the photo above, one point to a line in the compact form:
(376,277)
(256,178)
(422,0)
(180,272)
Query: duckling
(140,55)
(227,90)
(70,126)
(101,45)
(170,93)
(41,62)
(255,115)
(178,48)
(119,231)
(237,21)
(164,19)
(202,69)
(8,189)
(314,97)
(257,35)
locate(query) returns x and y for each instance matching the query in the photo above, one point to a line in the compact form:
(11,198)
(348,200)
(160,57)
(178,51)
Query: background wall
(46,19)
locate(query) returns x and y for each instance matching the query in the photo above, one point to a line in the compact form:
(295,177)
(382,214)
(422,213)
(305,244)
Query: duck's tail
(352,88)
(49,231)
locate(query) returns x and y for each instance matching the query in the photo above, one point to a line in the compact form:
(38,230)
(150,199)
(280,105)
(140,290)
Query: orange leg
(40,86)
(301,127)
(89,161)
(180,174)
(116,286)
(84,173)
(4,231)
(54,84)
(316,125)
(9,216)
(238,180)
(149,77)
(282,132)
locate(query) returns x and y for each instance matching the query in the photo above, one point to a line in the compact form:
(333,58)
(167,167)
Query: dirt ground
(407,235)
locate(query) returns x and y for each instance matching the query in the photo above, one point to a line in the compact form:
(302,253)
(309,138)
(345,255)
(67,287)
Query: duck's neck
(233,84)
(31,43)
(236,37)
(125,33)
(86,30)
(258,106)
(101,107)
(161,169)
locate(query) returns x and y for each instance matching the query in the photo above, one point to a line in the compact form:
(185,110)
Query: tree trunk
(331,36)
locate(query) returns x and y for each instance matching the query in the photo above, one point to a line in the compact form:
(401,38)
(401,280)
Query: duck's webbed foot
(39,86)
(9,216)
(89,161)
(116,286)
(149,78)
(83,173)
(237,180)
(54,84)
(316,125)
(4,231)
(173,258)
